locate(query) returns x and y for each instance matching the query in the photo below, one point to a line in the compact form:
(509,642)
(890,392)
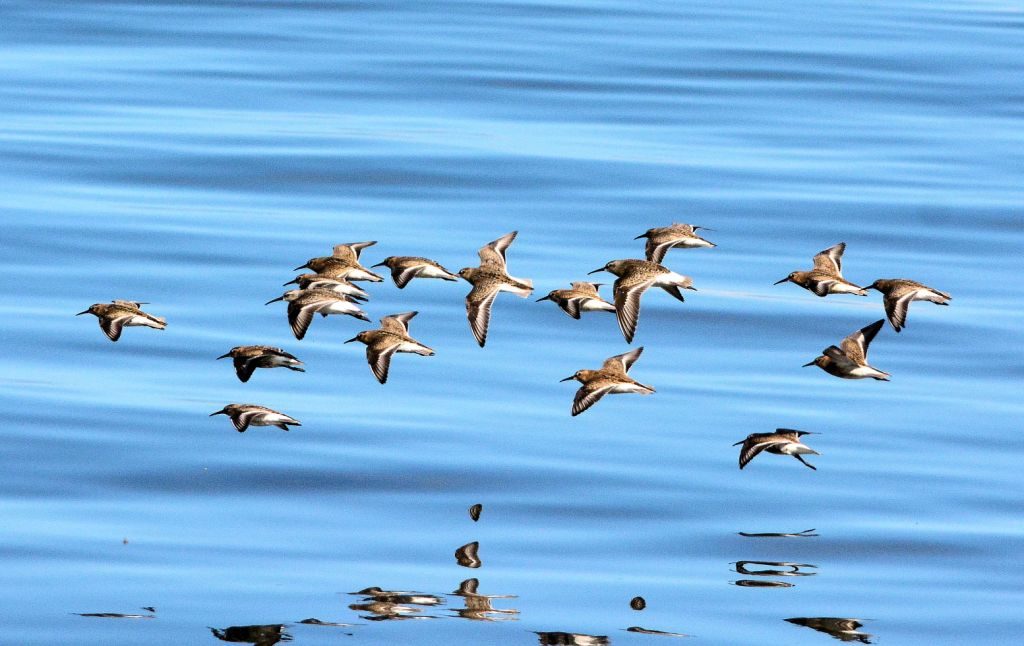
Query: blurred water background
(190,154)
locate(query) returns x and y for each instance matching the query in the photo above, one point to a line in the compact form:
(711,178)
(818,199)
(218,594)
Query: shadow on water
(842,629)
(261,635)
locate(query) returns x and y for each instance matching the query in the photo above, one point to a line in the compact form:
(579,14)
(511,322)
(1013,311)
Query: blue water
(191,154)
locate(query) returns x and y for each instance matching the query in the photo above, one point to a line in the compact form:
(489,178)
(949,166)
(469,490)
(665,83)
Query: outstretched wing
(350,250)
(831,260)
(244,368)
(621,363)
(378,355)
(478,309)
(300,316)
(112,326)
(656,250)
(493,253)
(752,447)
(402,275)
(856,345)
(627,304)
(397,323)
(897,303)
(587,396)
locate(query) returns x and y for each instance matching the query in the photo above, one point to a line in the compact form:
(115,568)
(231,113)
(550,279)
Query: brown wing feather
(112,326)
(378,355)
(478,310)
(587,396)
(627,305)
(243,368)
(300,316)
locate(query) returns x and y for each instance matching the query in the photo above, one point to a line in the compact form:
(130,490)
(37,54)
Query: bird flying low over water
(304,303)
(405,268)
(344,263)
(611,379)
(899,292)
(783,441)
(245,415)
(320,281)
(393,336)
(581,297)
(488,279)
(827,275)
(850,359)
(117,314)
(635,277)
(249,357)
(661,239)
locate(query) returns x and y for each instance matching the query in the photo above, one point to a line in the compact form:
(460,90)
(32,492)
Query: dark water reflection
(846,630)
(262,635)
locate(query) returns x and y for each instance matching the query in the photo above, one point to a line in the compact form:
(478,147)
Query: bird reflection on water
(478,606)
(385,605)
(844,630)
(571,639)
(261,635)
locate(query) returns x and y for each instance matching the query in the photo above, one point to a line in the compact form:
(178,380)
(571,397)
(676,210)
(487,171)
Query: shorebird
(661,239)
(249,357)
(611,379)
(581,297)
(320,281)
(897,294)
(245,415)
(850,359)
(344,263)
(405,268)
(488,279)
(304,303)
(117,314)
(393,336)
(827,275)
(635,277)
(783,441)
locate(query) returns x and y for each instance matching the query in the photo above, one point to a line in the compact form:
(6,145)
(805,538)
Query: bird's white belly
(142,320)
(672,278)
(339,307)
(594,305)
(269,419)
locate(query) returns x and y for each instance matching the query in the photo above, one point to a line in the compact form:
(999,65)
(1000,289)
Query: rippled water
(190,155)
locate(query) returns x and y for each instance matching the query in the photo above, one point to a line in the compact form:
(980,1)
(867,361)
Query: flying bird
(827,275)
(898,293)
(661,239)
(581,297)
(116,315)
(304,303)
(405,268)
(344,263)
(635,277)
(245,415)
(783,441)
(488,279)
(611,379)
(850,359)
(320,281)
(393,336)
(249,357)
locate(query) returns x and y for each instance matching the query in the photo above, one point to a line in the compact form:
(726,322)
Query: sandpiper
(393,336)
(783,441)
(661,239)
(344,263)
(488,279)
(320,281)
(304,303)
(117,314)
(249,357)
(245,415)
(611,379)
(827,275)
(850,359)
(635,276)
(405,268)
(581,297)
(897,294)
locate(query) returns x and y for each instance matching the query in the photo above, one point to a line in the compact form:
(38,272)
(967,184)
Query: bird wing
(300,315)
(897,303)
(243,419)
(587,396)
(478,309)
(112,326)
(350,250)
(656,250)
(586,289)
(627,304)
(570,306)
(397,323)
(840,358)
(752,447)
(831,260)
(493,253)
(856,345)
(244,367)
(402,275)
(621,363)
(378,355)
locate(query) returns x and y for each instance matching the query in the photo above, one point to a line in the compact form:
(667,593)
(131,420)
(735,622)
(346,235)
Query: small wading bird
(393,336)
(635,277)
(245,415)
(319,281)
(611,379)
(116,315)
(850,360)
(581,297)
(249,357)
(899,292)
(344,263)
(488,279)
(405,268)
(304,303)
(783,441)
(827,275)
(661,239)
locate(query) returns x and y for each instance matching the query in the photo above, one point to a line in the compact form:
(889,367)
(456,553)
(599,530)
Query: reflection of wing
(621,363)
(301,315)
(397,323)
(627,304)
(588,395)
(379,356)
(478,309)
(856,345)
(831,260)
(112,326)
(493,253)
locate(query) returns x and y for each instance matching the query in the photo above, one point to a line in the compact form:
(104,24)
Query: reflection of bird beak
(355,338)
(546,298)
(779,282)
(81,313)
(274,300)
(220,412)
(569,378)
(809,364)
(224,356)
(595,271)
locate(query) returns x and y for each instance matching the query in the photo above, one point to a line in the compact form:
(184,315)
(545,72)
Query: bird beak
(546,298)
(691,287)
(220,412)
(642,235)
(274,300)
(355,338)
(81,313)
(569,378)
(305,266)
(595,271)
(738,443)
(379,264)
(224,356)
(808,364)
(294,281)
(779,282)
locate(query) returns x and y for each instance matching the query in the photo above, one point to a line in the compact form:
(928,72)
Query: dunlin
(635,277)
(488,279)
(581,297)
(393,336)
(117,314)
(611,379)
(850,359)
(304,303)
(405,268)
(661,239)
(344,263)
(320,281)
(899,292)
(245,415)
(249,357)
(783,441)
(827,275)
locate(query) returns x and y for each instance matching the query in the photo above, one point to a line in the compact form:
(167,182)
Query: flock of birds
(331,289)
